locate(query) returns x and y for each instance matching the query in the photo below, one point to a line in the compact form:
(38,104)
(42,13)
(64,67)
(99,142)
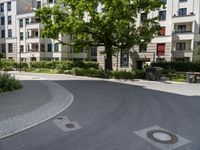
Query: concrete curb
(61,99)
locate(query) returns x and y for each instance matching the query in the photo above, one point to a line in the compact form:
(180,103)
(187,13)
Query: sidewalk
(37,102)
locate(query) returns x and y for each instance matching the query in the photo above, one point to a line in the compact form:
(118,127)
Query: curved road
(109,113)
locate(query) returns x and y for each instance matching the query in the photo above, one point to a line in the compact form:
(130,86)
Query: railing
(186,15)
(182,31)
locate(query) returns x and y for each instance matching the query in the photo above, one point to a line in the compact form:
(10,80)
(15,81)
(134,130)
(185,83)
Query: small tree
(197,54)
(108,23)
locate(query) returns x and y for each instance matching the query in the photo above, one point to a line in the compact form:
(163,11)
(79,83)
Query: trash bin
(197,79)
(189,78)
(153,73)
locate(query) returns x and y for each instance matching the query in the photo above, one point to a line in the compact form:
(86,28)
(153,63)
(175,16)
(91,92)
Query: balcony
(182,32)
(183,18)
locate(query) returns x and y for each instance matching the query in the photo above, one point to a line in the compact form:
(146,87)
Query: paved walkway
(37,102)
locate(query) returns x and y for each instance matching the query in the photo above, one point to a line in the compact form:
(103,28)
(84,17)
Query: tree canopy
(108,23)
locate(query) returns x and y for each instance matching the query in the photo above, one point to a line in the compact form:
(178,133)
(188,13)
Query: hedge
(179,66)
(63,65)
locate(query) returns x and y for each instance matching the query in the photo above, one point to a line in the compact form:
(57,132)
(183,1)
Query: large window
(143,48)
(49,47)
(2,7)
(182,12)
(161,49)
(2,20)
(181,46)
(21,35)
(2,33)
(56,47)
(9,20)
(162,15)
(9,32)
(10,48)
(162,31)
(9,6)
(21,23)
(124,58)
(143,17)
(3,48)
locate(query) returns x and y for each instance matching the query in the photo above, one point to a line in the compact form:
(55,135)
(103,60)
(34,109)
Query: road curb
(61,99)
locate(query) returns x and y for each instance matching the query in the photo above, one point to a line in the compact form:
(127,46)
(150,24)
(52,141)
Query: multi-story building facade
(178,37)
(20,34)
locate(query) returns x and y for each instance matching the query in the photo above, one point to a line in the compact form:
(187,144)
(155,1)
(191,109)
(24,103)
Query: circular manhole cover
(161,136)
(70,125)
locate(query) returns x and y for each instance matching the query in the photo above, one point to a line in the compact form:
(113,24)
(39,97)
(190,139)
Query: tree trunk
(108,59)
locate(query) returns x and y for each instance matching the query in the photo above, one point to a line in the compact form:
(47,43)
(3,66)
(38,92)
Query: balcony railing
(33,50)
(182,31)
(183,15)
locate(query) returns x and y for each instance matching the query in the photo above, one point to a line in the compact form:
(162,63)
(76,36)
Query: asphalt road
(109,114)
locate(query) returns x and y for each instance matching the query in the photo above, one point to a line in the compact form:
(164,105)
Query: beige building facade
(178,37)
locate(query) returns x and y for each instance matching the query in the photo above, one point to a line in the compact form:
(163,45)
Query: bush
(179,66)
(8,83)
(123,75)
(90,73)
(63,65)
(140,74)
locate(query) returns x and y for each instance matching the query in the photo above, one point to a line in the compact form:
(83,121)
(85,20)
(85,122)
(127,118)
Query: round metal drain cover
(70,125)
(161,136)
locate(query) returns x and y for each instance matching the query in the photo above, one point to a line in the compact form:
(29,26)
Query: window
(93,51)
(56,47)
(10,48)
(162,31)
(2,7)
(182,0)
(42,47)
(143,17)
(181,46)
(164,1)
(162,15)
(161,49)
(38,4)
(49,47)
(21,35)
(50,1)
(21,23)
(9,20)
(9,6)
(2,33)
(182,12)
(142,48)
(3,48)
(2,20)
(21,48)
(27,20)
(9,32)
(124,58)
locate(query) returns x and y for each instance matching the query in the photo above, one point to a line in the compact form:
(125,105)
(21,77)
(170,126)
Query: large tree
(108,23)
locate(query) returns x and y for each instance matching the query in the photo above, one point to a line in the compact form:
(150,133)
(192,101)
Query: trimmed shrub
(140,74)
(179,66)
(8,83)
(123,75)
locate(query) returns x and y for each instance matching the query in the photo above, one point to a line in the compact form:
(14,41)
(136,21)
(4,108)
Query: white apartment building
(180,34)
(8,40)
(20,34)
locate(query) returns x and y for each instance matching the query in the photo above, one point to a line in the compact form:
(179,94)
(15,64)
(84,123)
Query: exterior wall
(173,35)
